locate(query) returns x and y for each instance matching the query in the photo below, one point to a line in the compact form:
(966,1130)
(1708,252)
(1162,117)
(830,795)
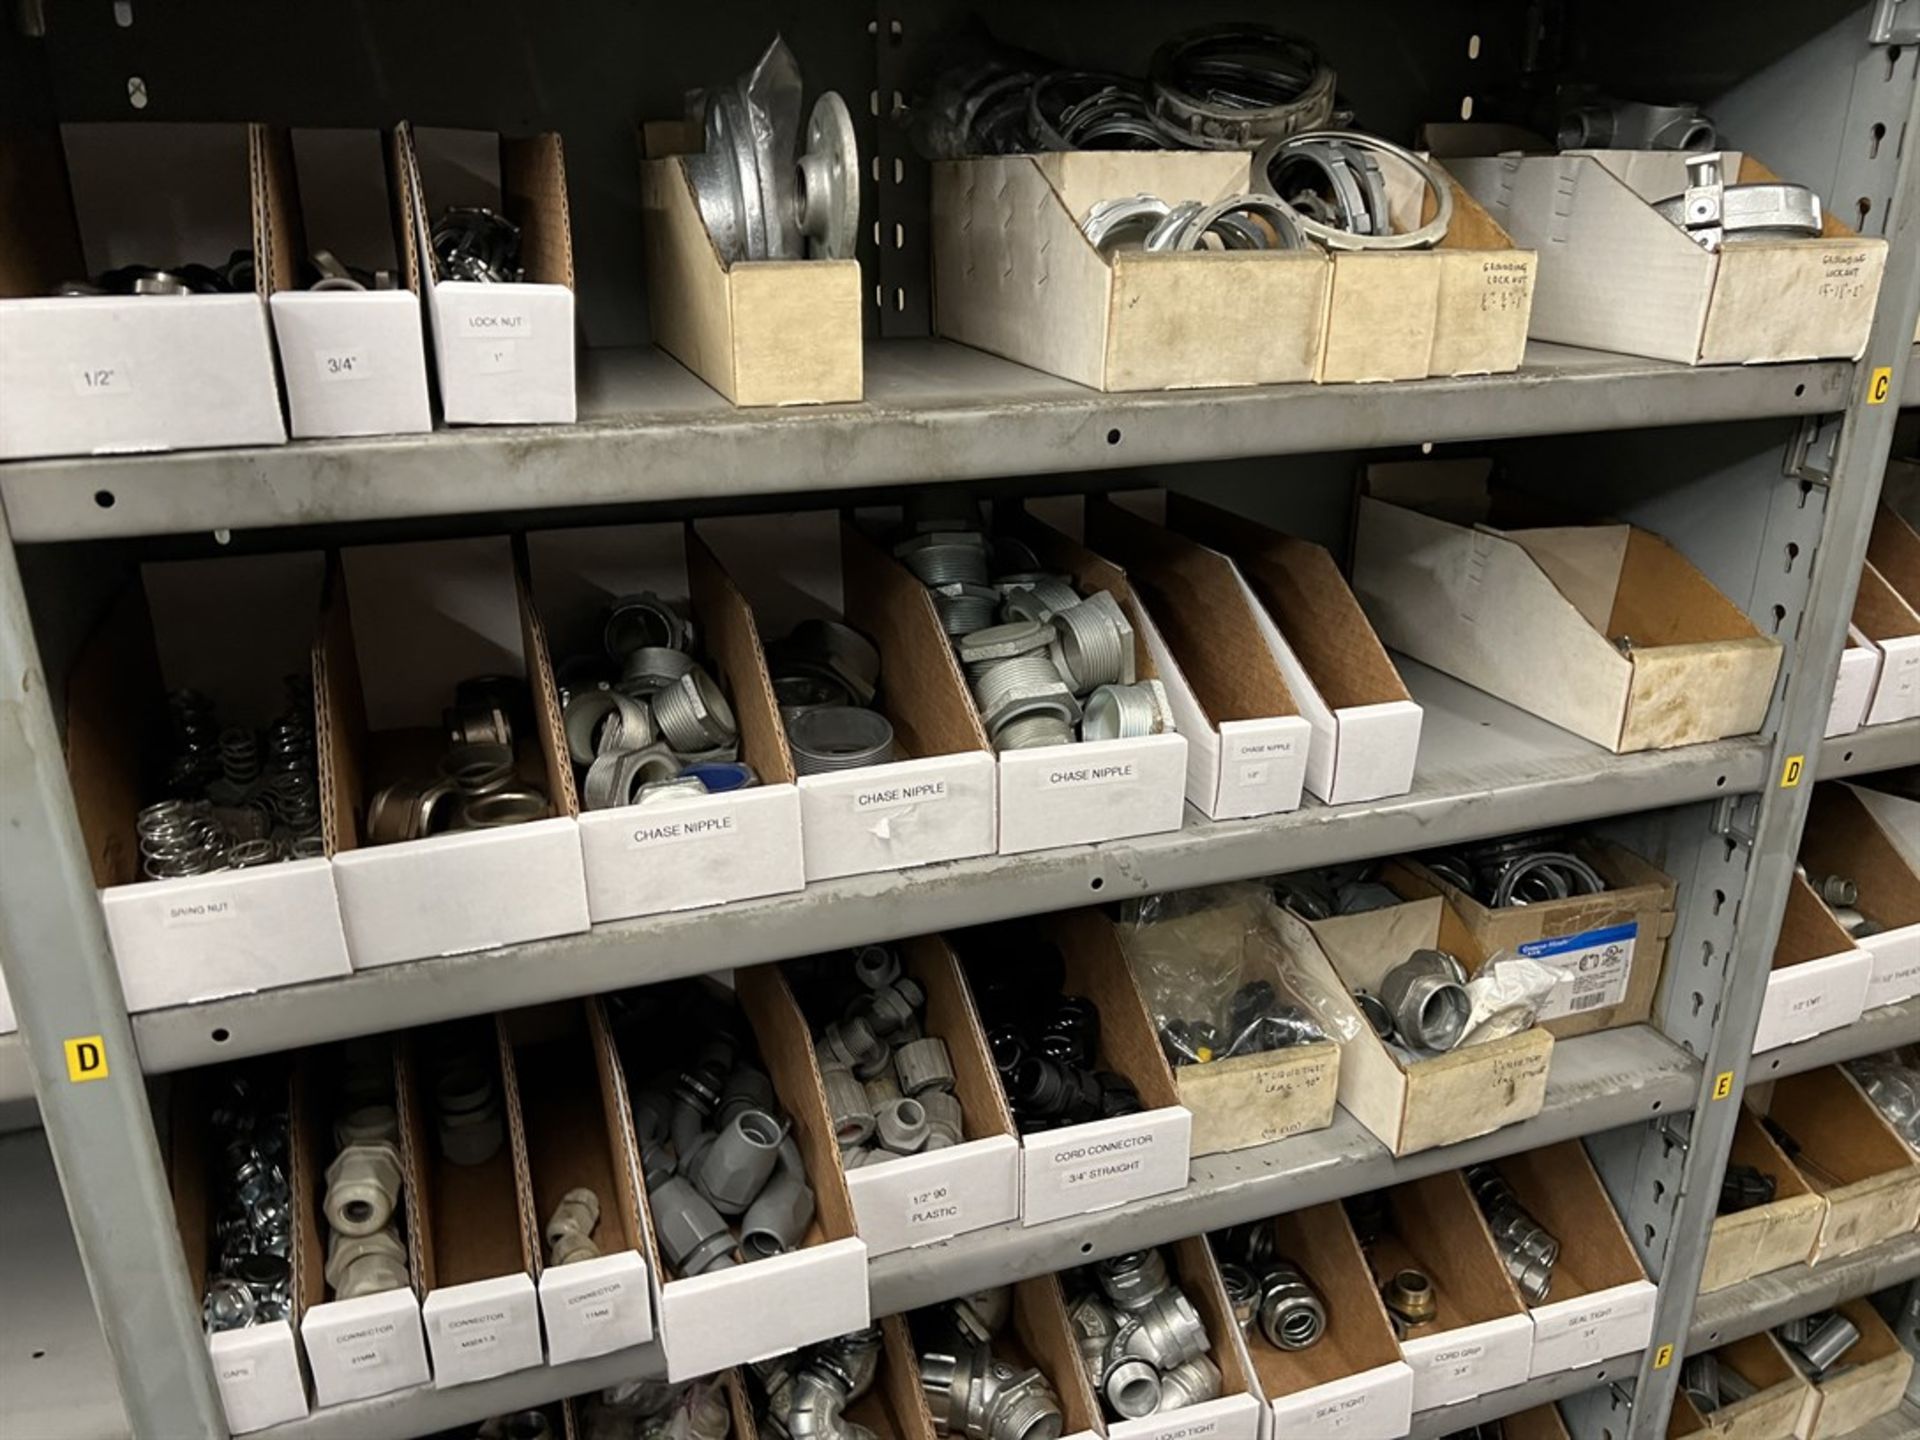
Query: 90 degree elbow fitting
(1189,1383)
(777,1221)
(693,1237)
(748,1088)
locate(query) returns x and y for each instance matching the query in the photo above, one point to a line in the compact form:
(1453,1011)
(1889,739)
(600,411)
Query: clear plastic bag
(1508,993)
(1894,1088)
(1210,970)
(658,1410)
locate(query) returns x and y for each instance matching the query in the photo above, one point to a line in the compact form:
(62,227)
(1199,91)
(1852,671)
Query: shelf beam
(649,431)
(1870,749)
(1723,1316)
(1879,1029)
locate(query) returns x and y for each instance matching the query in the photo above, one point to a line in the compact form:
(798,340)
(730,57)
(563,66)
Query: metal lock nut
(924,1065)
(363,1187)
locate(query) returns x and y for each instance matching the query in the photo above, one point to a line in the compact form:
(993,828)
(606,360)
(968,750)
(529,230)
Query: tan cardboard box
(1850,1155)
(1885,619)
(761,332)
(1818,978)
(1870,1383)
(1767,1237)
(1612,945)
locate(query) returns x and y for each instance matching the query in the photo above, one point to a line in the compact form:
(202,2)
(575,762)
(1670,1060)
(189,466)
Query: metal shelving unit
(1748,464)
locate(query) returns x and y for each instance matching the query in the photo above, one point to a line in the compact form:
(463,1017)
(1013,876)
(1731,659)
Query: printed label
(1456,1362)
(494,357)
(1074,776)
(236,1371)
(898,796)
(1255,760)
(1194,1431)
(200,912)
(335,366)
(494,325)
(596,1306)
(1596,962)
(934,1207)
(1255,772)
(366,1346)
(681,832)
(1101,1162)
(102,380)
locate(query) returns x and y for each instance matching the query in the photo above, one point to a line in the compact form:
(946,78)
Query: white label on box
(237,1368)
(1105,1163)
(1470,1360)
(1375,1404)
(594,1307)
(842,837)
(364,1347)
(918,1199)
(897,796)
(1099,790)
(1227,1417)
(335,366)
(1569,1334)
(495,324)
(692,852)
(1067,776)
(1896,965)
(209,911)
(114,379)
(258,1373)
(680,832)
(768,1308)
(482,1328)
(1814,996)
(495,357)
(1596,964)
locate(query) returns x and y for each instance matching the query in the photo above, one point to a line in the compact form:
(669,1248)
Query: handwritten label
(1505,286)
(1073,777)
(211,911)
(1842,276)
(102,380)
(899,795)
(680,832)
(1597,964)
(336,366)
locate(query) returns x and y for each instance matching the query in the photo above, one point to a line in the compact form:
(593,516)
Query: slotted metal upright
(1766,476)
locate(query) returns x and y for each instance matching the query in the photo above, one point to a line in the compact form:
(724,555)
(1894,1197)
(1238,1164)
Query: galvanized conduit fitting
(617,779)
(1714,213)
(1036,596)
(1093,643)
(1345,156)
(1189,1383)
(643,621)
(839,737)
(1165,1330)
(964,608)
(946,557)
(1132,1281)
(1426,996)
(1831,1338)
(694,715)
(650,669)
(1033,732)
(1127,712)
(1289,1311)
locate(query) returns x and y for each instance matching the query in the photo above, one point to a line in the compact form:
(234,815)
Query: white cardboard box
(1469,1360)
(482,1329)
(504,353)
(937,805)
(693,851)
(258,1373)
(1237,1412)
(1842,837)
(1853,685)
(579,1133)
(1312,1393)
(423,617)
(1614,275)
(357,1349)
(918,1199)
(354,361)
(1532,615)
(1077,1169)
(230,932)
(109,374)
(1819,977)
(1886,619)
(1108,789)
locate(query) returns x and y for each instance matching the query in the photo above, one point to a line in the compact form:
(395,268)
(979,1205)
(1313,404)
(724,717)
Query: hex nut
(902,1126)
(848,1106)
(363,1187)
(735,1167)
(777,1221)
(693,1237)
(924,1065)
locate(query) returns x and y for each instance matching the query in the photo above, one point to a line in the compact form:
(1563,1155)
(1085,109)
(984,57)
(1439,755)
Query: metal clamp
(1714,213)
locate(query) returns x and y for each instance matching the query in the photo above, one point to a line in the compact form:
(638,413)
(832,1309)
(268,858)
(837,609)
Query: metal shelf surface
(1542,1390)
(1871,748)
(1879,1029)
(1597,1082)
(649,430)
(1721,1316)
(1485,769)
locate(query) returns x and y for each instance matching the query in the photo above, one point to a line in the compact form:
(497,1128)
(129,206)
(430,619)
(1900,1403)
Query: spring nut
(1290,1312)
(1409,1295)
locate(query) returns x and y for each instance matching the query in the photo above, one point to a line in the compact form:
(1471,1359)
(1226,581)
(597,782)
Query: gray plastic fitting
(735,1167)
(945,1122)
(848,1106)
(902,1126)
(688,1125)
(889,1007)
(748,1088)
(1188,1383)
(883,1087)
(777,1221)
(652,1116)
(852,1042)
(852,1157)
(906,1034)
(363,1188)
(693,1237)
(924,1065)
(875,966)
(656,1166)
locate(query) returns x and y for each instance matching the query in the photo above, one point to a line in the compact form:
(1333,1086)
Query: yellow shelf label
(86,1058)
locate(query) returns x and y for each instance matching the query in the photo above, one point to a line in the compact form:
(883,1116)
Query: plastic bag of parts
(1894,1088)
(977,103)
(1210,971)
(658,1410)
(748,125)
(1507,994)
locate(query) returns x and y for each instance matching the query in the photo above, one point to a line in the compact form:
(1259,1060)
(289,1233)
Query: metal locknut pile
(251,1280)
(645,721)
(476,785)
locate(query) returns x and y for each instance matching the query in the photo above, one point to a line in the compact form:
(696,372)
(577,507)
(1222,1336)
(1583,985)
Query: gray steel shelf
(1874,747)
(1597,1082)
(1497,1404)
(1765,1301)
(1877,1030)
(1901,1424)
(1485,769)
(650,431)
